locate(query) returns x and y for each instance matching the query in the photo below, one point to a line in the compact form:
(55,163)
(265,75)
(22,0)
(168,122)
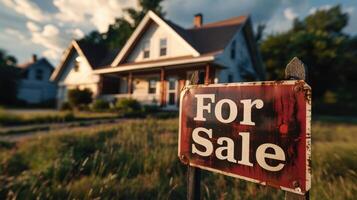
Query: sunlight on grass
(138,160)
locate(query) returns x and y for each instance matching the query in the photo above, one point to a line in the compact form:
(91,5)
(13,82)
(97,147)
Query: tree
(9,76)
(145,6)
(119,32)
(319,42)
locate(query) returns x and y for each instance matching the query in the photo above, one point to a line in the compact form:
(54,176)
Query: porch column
(100,86)
(162,88)
(130,82)
(207,74)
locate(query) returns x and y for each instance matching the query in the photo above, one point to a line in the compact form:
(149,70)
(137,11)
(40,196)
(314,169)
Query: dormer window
(233,50)
(163,47)
(146,49)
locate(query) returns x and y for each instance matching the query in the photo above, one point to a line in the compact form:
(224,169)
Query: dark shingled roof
(211,37)
(94,53)
(41,61)
(97,55)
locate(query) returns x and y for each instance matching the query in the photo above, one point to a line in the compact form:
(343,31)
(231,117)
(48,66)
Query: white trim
(168,91)
(74,45)
(150,15)
(64,57)
(153,65)
(308,132)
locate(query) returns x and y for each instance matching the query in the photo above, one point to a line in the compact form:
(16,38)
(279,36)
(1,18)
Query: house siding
(153,34)
(83,78)
(35,91)
(242,62)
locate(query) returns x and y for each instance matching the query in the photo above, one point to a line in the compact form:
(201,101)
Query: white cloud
(48,37)
(53,39)
(323,7)
(77,33)
(26,8)
(51,54)
(100,13)
(33,27)
(50,30)
(289,14)
(350,10)
(15,33)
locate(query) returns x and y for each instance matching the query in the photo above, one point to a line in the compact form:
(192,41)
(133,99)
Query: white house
(159,58)
(35,86)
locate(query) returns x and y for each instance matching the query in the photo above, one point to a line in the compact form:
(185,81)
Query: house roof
(210,37)
(41,61)
(95,54)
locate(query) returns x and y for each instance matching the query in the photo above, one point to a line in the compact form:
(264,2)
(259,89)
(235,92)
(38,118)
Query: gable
(40,65)
(152,35)
(149,19)
(71,76)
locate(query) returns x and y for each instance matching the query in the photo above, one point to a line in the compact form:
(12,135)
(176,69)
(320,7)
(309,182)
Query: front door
(172,92)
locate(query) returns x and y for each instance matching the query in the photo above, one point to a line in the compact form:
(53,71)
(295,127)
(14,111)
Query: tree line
(318,40)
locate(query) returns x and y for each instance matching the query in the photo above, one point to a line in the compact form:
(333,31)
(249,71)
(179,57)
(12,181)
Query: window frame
(162,48)
(146,49)
(152,90)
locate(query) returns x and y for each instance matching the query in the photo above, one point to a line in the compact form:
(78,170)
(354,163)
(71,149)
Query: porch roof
(166,63)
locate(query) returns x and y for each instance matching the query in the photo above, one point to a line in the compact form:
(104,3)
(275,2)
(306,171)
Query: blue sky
(46,27)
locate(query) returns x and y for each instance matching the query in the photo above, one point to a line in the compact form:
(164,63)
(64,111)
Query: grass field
(24,117)
(138,160)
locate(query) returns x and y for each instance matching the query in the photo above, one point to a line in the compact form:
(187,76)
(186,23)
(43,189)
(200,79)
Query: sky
(46,27)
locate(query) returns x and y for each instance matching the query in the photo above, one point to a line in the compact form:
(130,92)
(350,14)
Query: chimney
(197,20)
(34,57)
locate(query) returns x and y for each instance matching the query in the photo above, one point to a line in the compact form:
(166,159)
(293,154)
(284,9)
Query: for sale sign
(256,131)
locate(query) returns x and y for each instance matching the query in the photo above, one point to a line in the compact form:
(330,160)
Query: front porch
(159,86)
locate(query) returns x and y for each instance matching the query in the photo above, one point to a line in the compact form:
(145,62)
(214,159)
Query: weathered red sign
(256,131)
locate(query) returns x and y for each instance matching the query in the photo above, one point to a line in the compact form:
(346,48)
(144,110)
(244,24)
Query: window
(39,74)
(25,74)
(146,49)
(230,78)
(76,64)
(233,50)
(163,47)
(152,86)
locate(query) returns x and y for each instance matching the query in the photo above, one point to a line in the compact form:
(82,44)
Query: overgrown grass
(11,119)
(138,160)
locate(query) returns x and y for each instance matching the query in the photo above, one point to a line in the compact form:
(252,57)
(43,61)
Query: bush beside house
(80,99)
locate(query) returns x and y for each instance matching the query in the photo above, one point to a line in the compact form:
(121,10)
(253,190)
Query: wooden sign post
(258,131)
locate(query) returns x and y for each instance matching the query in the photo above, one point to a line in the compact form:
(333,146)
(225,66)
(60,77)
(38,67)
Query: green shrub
(151,108)
(100,105)
(128,107)
(65,106)
(78,97)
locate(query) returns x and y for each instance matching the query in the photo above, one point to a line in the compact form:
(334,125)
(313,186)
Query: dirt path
(15,134)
